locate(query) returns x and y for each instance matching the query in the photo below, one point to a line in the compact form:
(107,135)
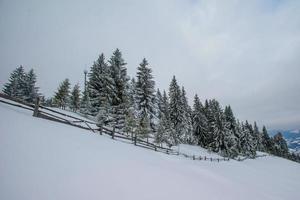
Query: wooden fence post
(204,157)
(135,139)
(36,107)
(113,133)
(155,148)
(167,151)
(211,159)
(100,130)
(218,160)
(193,157)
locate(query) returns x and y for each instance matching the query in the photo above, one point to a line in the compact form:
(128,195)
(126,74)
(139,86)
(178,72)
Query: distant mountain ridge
(291,136)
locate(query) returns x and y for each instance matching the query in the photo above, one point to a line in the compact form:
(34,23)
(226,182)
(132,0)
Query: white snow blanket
(41,159)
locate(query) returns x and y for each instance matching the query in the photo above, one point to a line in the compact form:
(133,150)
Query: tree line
(135,106)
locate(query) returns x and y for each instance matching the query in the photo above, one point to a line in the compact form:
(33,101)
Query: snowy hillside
(40,159)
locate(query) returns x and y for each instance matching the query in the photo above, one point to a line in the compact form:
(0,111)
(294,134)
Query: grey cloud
(244,53)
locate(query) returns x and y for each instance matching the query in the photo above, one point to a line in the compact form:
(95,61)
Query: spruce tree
(131,122)
(175,112)
(258,137)
(164,131)
(231,120)
(85,104)
(30,90)
(165,105)
(145,97)
(247,143)
(200,123)
(17,84)
(230,148)
(266,140)
(187,126)
(143,128)
(280,146)
(216,126)
(159,104)
(75,98)
(119,95)
(132,96)
(232,136)
(61,97)
(101,86)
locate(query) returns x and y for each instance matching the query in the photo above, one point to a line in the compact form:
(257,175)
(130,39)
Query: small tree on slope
(61,97)
(30,90)
(17,83)
(75,98)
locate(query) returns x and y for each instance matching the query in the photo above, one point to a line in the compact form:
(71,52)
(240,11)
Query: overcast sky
(243,53)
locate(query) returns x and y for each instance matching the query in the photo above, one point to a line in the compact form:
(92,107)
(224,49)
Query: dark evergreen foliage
(100,86)
(119,95)
(61,97)
(75,98)
(145,95)
(200,123)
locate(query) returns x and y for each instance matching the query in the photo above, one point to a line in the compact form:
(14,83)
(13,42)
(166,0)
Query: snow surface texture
(41,159)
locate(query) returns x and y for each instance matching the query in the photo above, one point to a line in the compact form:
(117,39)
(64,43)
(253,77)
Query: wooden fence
(56,116)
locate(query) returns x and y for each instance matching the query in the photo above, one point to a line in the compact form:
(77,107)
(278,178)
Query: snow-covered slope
(40,159)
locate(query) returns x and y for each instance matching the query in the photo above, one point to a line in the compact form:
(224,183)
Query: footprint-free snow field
(40,159)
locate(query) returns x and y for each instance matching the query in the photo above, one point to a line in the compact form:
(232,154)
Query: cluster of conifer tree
(134,106)
(22,85)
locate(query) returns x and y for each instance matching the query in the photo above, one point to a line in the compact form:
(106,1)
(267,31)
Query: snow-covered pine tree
(230,143)
(16,84)
(175,112)
(254,137)
(131,122)
(143,128)
(200,123)
(101,86)
(132,96)
(238,129)
(145,94)
(159,104)
(165,105)
(61,97)
(266,140)
(218,127)
(164,132)
(30,90)
(232,135)
(187,126)
(247,142)
(221,138)
(258,137)
(231,120)
(119,96)
(75,98)
(280,146)
(85,104)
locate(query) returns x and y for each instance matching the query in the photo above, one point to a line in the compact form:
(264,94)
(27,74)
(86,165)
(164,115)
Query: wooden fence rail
(56,116)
